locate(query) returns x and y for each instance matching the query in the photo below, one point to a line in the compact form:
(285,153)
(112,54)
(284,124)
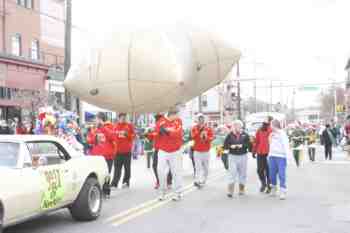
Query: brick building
(31,45)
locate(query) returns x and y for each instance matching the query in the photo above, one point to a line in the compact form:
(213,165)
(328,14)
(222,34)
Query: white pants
(201,161)
(237,167)
(173,162)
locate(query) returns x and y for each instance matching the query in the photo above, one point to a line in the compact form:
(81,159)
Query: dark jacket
(328,137)
(243,140)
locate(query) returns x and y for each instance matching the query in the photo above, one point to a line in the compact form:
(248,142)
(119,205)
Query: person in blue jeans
(279,152)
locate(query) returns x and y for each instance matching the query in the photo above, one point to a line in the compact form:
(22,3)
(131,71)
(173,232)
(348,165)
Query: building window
(17,45)
(29,4)
(21,2)
(5,93)
(35,50)
(26,3)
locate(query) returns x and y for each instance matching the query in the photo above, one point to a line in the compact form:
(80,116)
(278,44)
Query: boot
(241,189)
(230,190)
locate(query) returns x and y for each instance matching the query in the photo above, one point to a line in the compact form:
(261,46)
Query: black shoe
(196,184)
(106,190)
(126,186)
(263,188)
(268,190)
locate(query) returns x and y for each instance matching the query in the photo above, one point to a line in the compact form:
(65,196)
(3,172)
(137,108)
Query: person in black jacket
(328,141)
(237,144)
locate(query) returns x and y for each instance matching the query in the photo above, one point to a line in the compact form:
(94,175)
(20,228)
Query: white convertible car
(40,174)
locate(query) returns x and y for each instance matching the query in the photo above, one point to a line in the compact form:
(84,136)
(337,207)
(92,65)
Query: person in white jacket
(279,152)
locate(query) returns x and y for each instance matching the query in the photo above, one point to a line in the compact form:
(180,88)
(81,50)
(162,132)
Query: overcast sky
(300,40)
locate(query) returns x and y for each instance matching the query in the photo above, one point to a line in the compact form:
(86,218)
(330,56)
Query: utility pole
(293,105)
(281,96)
(335,101)
(238,93)
(67,51)
(4,12)
(271,109)
(200,106)
(255,98)
(222,102)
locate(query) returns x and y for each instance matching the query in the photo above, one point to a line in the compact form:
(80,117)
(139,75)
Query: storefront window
(29,4)
(25,3)
(21,2)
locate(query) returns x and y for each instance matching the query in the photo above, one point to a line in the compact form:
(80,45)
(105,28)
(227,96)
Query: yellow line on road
(147,207)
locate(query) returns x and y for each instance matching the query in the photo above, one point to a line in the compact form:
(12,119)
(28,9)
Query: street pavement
(318,201)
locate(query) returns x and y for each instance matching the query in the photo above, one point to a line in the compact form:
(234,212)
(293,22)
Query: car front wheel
(87,206)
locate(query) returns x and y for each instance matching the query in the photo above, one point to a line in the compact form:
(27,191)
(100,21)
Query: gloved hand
(125,133)
(254,155)
(163,131)
(203,135)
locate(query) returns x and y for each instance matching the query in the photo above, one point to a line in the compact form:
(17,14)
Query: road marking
(148,206)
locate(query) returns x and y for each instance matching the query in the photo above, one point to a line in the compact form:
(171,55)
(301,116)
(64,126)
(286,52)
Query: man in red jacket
(152,136)
(202,135)
(125,134)
(101,140)
(170,140)
(261,148)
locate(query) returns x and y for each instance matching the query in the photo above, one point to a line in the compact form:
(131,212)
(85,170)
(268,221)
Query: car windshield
(9,154)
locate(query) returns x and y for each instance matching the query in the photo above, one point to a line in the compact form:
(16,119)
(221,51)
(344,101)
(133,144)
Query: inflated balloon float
(149,71)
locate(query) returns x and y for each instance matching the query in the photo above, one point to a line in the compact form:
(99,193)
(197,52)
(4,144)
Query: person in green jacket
(297,139)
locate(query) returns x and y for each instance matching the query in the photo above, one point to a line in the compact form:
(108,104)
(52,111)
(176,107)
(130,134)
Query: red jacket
(21,130)
(172,141)
(152,136)
(261,145)
(101,141)
(200,144)
(125,134)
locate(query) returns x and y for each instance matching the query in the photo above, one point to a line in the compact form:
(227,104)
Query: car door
(23,186)
(55,176)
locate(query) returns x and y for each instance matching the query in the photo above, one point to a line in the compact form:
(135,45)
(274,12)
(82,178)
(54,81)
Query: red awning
(14,103)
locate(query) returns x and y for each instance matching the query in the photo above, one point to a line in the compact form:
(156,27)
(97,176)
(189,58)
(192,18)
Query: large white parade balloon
(149,71)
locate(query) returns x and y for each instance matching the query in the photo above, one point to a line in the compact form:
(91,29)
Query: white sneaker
(177,197)
(273,192)
(283,195)
(161,197)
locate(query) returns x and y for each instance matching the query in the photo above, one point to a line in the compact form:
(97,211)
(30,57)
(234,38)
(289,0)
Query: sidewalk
(339,156)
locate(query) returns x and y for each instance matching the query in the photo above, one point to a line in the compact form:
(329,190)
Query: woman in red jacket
(125,135)
(101,140)
(202,135)
(170,140)
(152,136)
(261,148)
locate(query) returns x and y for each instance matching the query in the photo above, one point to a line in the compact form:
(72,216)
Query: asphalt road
(318,201)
